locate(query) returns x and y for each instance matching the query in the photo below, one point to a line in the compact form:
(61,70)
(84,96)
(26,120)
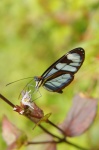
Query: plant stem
(60,141)
(51,123)
(45,130)
(74,145)
(42,142)
(7,101)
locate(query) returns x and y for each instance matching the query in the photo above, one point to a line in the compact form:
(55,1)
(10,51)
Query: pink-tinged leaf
(14,137)
(9,131)
(12,146)
(80,116)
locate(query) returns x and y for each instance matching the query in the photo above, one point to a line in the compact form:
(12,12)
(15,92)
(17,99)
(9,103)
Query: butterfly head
(38,81)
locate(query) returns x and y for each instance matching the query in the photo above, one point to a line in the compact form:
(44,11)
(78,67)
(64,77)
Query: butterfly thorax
(38,80)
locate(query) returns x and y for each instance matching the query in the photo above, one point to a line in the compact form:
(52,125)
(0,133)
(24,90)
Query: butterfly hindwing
(59,82)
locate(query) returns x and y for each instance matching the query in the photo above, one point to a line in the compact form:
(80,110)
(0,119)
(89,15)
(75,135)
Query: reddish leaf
(9,131)
(12,146)
(81,116)
(14,137)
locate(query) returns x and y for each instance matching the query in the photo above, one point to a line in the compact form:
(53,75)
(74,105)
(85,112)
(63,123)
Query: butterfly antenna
(18,80)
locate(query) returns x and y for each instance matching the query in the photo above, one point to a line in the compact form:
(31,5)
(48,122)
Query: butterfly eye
(36,78)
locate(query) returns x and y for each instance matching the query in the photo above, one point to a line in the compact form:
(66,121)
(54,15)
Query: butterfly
(61,73)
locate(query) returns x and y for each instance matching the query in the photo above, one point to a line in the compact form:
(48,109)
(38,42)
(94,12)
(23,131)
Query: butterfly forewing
(71,61)
(61,73)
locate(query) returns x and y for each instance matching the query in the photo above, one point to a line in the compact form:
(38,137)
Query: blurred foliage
(34,34)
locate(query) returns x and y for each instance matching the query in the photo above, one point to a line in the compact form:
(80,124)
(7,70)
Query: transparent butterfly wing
(61,73)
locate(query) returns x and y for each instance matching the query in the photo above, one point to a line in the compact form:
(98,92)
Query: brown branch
(57,142)
(51,123)
(74,145)
(45,130)
(42,142)
(7,101)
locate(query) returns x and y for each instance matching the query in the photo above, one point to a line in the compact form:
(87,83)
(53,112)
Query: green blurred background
(34,34)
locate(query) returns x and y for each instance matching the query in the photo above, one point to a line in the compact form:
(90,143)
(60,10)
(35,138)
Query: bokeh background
(34,34)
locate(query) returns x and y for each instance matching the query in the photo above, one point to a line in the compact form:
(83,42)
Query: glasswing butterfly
(61,73)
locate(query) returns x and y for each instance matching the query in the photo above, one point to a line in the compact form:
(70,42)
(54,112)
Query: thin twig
(51,123)
(42,142)
(7,101)
(45,130)
(57,142)
(79,147)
